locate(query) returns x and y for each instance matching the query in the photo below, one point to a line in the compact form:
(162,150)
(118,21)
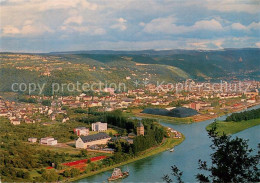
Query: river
(185,157)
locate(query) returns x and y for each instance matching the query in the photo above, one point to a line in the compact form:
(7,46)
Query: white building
(15,121)
(81,131)
(32,139)
(48,141)
(99,127)
(84,142)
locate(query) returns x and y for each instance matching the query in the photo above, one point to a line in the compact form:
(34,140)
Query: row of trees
(246,115)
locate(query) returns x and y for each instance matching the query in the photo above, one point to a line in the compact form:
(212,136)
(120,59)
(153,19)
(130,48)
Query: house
(48,141)
(99,127)
(53,116)
(81,131)
(131,135)
(251,100)
(195,106)
(111,91)
(65,119)
(251,93)
(32,139)
(15,121)
(84,142)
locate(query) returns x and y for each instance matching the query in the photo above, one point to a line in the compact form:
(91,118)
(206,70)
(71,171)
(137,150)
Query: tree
(46,102)
(50,176)
(232,161)
(66,173)
(74,172)
(83,153)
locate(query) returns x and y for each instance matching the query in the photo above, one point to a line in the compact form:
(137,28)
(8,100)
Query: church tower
(140,128)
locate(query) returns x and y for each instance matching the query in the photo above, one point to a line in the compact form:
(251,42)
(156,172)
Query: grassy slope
(234,127)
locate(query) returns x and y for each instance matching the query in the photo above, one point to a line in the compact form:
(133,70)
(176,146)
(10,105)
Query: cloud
(257,44)
(218,43)
(74,19)
(9,29)
(150,24)
(167,25)
(255,25)
(121,24)
(91,30)
(121,20)
(212,24)
(251,27)
(28,29)
(205,44)
(44,5)
(238,26)
(252,6)
(99,31)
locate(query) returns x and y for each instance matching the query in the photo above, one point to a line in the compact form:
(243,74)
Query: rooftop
(94,137)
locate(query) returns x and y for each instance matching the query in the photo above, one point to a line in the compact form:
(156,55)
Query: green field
(234,127)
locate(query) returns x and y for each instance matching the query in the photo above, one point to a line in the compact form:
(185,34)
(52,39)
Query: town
(92,123)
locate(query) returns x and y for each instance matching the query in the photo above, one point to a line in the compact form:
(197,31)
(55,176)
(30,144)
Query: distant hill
(128,66)
(205,64)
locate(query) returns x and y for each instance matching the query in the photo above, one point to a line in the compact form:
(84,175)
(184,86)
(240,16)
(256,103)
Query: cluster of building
(85,140)
(19,113)
(150,95)
(175,133)
(45,141)
(160,96)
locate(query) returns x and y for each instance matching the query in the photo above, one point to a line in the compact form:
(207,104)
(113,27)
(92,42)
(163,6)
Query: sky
(71,25)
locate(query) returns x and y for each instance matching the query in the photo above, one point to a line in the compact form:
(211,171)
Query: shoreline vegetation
(237,122)
(230,128)
(165,145)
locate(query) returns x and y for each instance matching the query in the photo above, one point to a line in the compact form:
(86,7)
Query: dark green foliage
(50,176)
(116,118)
(74,172)
(81,111)
(46,102)
(244,116)
(27,100)
(176,173)
(71,173)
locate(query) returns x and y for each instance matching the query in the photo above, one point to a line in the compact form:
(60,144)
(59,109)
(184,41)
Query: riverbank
(234,127)
(166,144)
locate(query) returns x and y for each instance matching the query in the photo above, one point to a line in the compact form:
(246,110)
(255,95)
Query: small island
(237,122)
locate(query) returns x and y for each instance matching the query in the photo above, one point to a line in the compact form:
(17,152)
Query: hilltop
(128,66)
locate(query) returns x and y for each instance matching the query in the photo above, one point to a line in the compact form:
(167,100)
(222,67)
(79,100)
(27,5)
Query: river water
(185,156)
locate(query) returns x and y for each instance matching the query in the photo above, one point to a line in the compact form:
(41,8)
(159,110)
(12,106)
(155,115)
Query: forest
(244,116)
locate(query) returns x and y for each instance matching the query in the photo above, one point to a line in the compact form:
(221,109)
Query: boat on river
(118,174)
(172,150)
